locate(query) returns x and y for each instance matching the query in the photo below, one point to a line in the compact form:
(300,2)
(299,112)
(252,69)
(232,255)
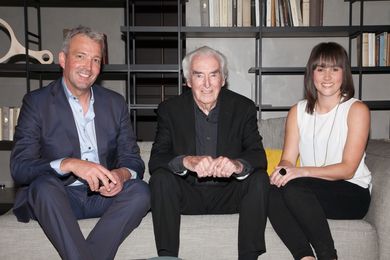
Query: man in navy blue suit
(75,157)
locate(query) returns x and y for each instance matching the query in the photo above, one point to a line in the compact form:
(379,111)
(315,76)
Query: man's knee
(139,190)
(45,186)
(259,180)
(161,179)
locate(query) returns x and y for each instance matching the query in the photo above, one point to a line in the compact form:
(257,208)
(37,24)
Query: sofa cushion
(202,237)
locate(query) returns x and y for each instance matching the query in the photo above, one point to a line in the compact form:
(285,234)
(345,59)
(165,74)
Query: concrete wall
(280,90)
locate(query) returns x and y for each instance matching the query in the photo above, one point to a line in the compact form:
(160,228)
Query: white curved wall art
(44,56)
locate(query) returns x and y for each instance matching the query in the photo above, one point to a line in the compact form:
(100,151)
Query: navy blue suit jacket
(46,131)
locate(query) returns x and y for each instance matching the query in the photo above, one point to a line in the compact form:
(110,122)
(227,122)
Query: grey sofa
(215,236)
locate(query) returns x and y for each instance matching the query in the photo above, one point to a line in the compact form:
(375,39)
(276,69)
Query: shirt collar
(69,94)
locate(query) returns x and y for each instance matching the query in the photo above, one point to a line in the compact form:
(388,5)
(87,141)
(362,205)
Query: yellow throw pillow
(273,158)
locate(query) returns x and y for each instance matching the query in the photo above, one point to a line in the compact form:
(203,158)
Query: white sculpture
(44,56)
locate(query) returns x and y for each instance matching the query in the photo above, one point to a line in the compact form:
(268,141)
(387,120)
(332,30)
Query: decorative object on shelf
(44,56)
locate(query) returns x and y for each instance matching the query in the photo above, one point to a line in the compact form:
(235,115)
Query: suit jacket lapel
(100,123)
(64,111)
(224,122)
(188,119)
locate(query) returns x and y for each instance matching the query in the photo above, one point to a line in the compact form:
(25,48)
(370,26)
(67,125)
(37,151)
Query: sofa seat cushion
(202,237)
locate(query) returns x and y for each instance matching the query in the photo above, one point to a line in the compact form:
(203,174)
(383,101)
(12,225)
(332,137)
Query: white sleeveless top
(337,139)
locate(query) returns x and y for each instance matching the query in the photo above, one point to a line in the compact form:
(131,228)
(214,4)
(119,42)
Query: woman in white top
(328,132)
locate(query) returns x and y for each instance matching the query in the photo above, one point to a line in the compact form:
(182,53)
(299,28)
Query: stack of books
(9,119)
(374,49)
(269,13)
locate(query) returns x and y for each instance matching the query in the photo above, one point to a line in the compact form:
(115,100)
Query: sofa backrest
(272,131)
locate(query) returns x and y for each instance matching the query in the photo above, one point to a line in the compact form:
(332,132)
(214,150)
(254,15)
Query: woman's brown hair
(327,54)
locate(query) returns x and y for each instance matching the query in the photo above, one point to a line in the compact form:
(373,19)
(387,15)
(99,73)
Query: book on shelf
(316,12)
(5,123)
(273,14)
(256,12)
(280,13)
(388,50)
(223,18)
(229,13)
(225,13)
(212,13)
(383,49)
(305,12)
(296,13)
(204,13)
(9,119)
(215,13)
(287,11)
(268,7)
(239,13)
(246,13)
(277,13)
(365,43)
(11,124)
(269,13)
(373,49)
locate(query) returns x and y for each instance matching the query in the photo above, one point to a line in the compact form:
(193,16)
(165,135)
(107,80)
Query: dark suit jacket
(237,136)
(46,131)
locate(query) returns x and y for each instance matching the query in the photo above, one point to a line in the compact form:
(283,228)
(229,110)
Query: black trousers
(173,195)
(299,211)
(57,207)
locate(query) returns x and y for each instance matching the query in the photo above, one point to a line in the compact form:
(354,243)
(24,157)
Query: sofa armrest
(378,161)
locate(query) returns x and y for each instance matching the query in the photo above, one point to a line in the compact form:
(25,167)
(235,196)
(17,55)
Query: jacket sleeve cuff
(176,165)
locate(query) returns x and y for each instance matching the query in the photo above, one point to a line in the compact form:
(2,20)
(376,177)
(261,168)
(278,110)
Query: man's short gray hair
(204,51)
(93,35)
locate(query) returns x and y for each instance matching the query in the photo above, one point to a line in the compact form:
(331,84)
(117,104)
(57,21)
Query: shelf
(268,108)
(309,31)
(253,32)
(220,32)
(377,104)
(372,104)
(143,106)
(372,70)
(301,70)
(150,29)
(107,68)
(6,145)
(154,68)
(67,3)
(353,1)
(278,70)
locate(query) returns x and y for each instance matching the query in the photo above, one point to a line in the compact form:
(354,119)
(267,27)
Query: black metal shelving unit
(350,31)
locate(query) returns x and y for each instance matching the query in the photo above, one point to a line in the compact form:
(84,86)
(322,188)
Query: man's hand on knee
(94,174)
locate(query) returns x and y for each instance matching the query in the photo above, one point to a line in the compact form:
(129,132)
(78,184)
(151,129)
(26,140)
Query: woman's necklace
(327,142)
